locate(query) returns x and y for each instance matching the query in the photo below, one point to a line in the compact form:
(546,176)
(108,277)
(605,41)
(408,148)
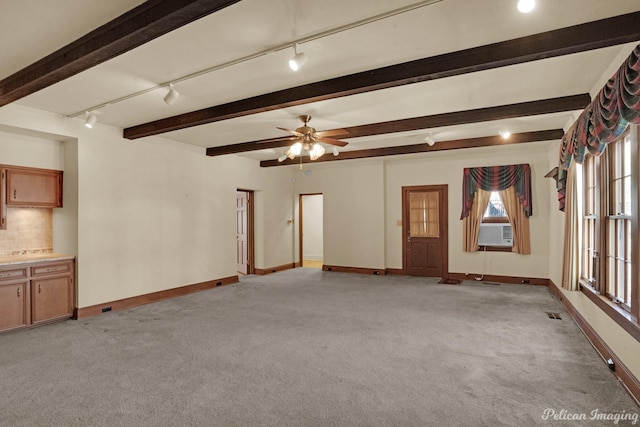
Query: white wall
(312,227)
(446,167)
(625,346)
(153,214)
(353,198)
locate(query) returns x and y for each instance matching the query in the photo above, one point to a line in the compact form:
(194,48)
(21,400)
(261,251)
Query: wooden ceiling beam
(578,38)
(140,25)
(486,141)
(543,106)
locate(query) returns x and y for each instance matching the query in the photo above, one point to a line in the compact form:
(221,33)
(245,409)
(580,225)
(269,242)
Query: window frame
(625,312)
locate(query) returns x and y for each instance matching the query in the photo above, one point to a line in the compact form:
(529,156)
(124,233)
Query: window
(618,244)
(609,222)
(495,210)
(496,233)
(590,218)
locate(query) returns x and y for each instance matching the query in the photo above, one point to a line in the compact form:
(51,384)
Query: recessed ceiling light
(526,6)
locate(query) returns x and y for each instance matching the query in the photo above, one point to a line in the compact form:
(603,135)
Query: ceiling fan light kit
(309,140)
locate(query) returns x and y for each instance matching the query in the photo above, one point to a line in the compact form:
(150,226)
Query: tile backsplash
(29,231)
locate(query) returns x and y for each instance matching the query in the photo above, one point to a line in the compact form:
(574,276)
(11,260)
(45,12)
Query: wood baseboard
(355,270)
(501,279)
(625,376)
(263,271)
(96,310)
(394,271)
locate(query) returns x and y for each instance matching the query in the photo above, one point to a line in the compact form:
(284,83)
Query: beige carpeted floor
(310,348)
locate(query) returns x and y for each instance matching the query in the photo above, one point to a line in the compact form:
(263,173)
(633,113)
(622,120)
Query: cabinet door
(51,299)
(33,187)
(14,307)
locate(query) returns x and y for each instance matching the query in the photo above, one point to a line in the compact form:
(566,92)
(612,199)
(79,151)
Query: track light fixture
(90,119)
(298,60)
(429,140)
(526,6)
(335,151)
(171,96)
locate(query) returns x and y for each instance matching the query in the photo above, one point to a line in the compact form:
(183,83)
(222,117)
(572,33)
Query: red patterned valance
(605,119)
(497,178)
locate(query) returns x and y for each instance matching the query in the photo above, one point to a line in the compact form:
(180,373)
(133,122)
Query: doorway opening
(244,232)
(311,230)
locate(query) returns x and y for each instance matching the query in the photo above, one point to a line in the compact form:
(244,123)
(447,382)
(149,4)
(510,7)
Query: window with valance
(513,182)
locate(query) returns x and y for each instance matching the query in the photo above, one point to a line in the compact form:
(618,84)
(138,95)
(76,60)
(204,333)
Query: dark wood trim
(620,316)
(122,304)
(578,38)
(495,248)
(628,379)
(394,272)
(136,27)
(251,226)
(485,141)
(543,106)
(355,270)
(501,279)
(283,267)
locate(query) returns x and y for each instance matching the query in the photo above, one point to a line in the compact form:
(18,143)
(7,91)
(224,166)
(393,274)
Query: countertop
(28,258)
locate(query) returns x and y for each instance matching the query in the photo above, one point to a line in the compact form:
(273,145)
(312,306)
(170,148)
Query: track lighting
(90,120)
(171,96)
(429,140)
(335,151)
(526,6)
(298,60)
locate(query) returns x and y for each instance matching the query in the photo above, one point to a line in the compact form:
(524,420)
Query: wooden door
(425,231)
(241,232)
(14,310)
(51,299)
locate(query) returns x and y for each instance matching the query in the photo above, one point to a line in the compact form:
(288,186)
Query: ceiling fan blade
(290,131)
(332,132)
(332,141)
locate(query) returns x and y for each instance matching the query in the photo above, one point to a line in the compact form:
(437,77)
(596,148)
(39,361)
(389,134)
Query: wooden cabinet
(36,293)
(14,307)
(29,187)
(51,291)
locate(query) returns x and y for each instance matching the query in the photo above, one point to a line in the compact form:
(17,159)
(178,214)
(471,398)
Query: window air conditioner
(495,235)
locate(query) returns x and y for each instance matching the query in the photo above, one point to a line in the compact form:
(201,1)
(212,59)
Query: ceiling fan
(307,138)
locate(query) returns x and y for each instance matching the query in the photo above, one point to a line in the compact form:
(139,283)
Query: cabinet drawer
(51,268)
(17,273)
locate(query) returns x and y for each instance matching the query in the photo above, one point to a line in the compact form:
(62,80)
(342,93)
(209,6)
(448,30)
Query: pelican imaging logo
(551,414)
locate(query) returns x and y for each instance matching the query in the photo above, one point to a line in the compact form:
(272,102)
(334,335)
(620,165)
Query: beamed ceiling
(380,75)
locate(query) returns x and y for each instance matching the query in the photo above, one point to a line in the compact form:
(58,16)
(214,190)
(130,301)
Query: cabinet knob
(18,292)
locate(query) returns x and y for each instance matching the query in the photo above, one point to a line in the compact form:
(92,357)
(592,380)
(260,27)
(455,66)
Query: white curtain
(572,230)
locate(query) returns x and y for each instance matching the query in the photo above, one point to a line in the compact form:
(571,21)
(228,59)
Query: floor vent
(491,283)
(554,315)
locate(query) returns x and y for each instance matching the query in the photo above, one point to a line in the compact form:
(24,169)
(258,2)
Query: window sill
(495,249)
(623,318)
